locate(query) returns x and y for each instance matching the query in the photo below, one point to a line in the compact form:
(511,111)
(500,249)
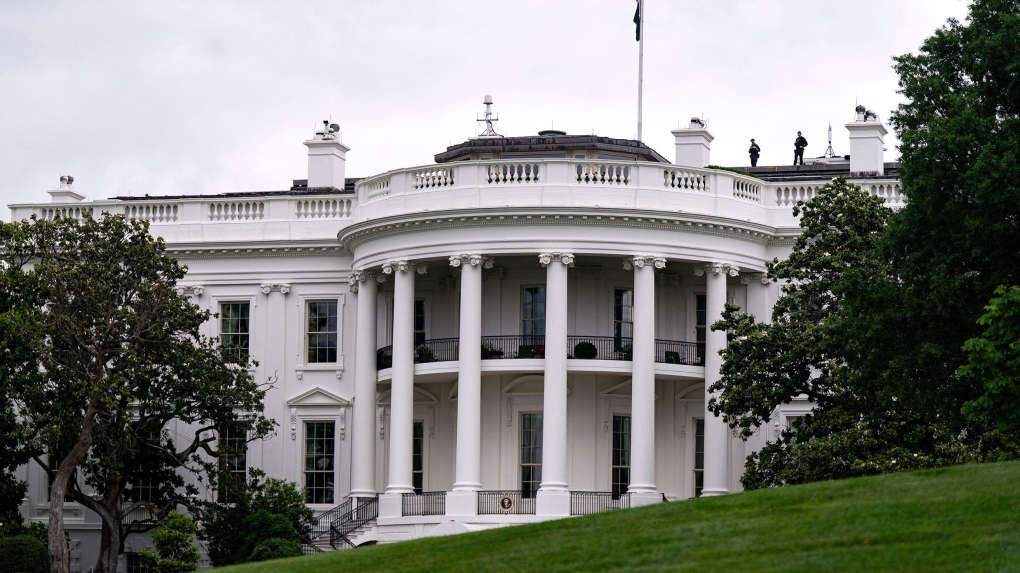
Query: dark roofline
(815,171)
(544,144)
(299,188)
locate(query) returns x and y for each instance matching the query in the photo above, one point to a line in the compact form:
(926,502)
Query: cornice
(257,250)
(361,232)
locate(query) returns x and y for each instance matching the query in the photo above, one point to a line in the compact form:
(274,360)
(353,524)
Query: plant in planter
(423,354)
(539,352)
(585,350)
(672,358)
(489,352)
(627,352)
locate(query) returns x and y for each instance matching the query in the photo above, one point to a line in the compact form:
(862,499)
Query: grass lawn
(965,518)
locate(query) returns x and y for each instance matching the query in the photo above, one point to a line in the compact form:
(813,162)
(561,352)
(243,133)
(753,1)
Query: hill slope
(965,518)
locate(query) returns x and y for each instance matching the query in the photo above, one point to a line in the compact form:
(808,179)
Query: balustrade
(433,177)
(154,212)
(52,213)
(600,347)
(683,179)
(505,503)
(425,503)
(323,208)
(237,210)
(747,190)
(603,173)
(512,173)
(588,502)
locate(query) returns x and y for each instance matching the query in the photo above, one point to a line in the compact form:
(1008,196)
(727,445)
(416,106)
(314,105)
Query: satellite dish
(334,127)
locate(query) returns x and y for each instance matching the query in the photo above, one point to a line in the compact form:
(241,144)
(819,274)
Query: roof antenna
(489,120)
(828,151)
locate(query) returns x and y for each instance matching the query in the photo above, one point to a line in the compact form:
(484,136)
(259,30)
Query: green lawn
(965,518)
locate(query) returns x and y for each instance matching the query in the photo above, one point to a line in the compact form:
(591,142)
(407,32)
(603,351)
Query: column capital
(640,261)
(267,288)
(473,259)
(190,290)
(717,269)
(404,266)
(747,279)
(547,259)
(359,276)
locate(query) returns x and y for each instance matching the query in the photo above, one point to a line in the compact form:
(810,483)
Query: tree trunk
(59,557)
(109,550)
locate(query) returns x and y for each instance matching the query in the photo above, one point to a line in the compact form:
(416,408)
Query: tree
(258,511)
(119,356)
(994,361)
(175,552)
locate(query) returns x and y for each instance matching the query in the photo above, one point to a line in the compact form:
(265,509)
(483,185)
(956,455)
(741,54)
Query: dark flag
(637,21)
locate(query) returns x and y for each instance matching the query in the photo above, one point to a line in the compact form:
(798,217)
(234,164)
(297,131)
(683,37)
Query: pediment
(317,397)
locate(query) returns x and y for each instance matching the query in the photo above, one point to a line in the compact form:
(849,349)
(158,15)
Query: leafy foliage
(113,355)
(259,510)
(276,548)
(175,552)
(24,554)
(994,360)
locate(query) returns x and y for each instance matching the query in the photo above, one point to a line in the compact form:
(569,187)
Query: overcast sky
(193,97)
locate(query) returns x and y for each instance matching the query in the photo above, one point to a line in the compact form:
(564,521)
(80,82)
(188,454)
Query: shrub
(24,554)
(275,548)
(585,350)
(423,354)
(175,552)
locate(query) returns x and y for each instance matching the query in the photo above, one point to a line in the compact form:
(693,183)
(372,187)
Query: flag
(637,21)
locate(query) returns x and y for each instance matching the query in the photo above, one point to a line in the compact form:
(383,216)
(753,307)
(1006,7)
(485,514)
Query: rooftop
(548,143)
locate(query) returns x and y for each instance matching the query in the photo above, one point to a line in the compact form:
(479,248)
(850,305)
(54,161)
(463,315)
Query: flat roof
(547,144)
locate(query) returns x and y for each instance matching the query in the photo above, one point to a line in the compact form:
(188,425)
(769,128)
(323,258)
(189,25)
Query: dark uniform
(754,151)
(798,149)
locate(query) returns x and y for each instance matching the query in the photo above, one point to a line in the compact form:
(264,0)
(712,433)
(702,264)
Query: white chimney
(693,144)
(65,193)
(326,159)
(867,144)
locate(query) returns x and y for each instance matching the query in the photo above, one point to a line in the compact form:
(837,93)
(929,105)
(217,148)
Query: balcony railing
(588,502)
(425,503)
(533,346)
(505,503)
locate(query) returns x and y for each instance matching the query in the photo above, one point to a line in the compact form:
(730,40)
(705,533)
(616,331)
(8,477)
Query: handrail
(366,509)
(325,520)
(588,502)
(425,503)
(600,347)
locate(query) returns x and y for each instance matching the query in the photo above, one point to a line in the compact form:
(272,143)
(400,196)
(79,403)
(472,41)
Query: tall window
(531,454)
(233,459)
(623,317)
(322,331)
(533,311)
(142,488)
(132,563)
(319,457)
(234,330)
(700,324)
(699,456)
(419,321)
(621,455)
(418,457)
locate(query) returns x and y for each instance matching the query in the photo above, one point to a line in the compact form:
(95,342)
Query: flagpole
(641,63)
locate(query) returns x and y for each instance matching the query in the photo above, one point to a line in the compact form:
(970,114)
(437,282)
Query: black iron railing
(365,510)
(523,346)
(425,503)
(674,352)
(587,502)
(505,503)
(533,346)
(309,548)
(600,347)
(325,520)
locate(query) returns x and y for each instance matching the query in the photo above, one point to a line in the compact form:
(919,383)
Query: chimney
(867,145)
(326,159)
(65,193)
(693,144)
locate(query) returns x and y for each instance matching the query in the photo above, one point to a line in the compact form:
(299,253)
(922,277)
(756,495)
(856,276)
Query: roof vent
(551,133)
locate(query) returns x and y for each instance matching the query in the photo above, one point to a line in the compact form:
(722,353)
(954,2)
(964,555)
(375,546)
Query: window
(531,454)
(419,322)
(418,457)
(142,488)
(322,331)
(234,330)
(623,317)
(699,456)
(233,460)
(700,324)
(133,563)
(621,455)
(533,312)
(319,456)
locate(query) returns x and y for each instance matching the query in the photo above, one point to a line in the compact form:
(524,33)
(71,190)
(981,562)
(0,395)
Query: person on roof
(754,151)
(798,148)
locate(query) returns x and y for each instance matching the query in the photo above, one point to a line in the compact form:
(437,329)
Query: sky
(188,97)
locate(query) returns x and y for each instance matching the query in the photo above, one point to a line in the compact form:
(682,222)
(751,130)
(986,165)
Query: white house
(513,334)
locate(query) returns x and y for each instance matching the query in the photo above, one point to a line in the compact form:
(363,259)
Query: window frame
(618,334)
(525,319)
(697,473)
(220,303)
(618,487)
(335,456)
(527,493)
(307,303)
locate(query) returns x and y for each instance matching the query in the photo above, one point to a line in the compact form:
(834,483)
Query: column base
(641,498)
(714,492)
(363,493)
(552,503)
(391,505)
(462,503)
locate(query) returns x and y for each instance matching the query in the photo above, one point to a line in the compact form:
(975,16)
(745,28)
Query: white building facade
(518,332)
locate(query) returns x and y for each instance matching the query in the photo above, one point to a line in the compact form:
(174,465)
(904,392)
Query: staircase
(343,527)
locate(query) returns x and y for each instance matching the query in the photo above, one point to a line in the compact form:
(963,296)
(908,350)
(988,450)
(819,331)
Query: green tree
(994,361)
(175,551)
(255,512)
(118,356)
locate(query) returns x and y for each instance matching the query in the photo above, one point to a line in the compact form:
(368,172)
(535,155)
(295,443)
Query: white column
(642,414)
(553,497)
(365,376)
(717,442)
(402,386)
